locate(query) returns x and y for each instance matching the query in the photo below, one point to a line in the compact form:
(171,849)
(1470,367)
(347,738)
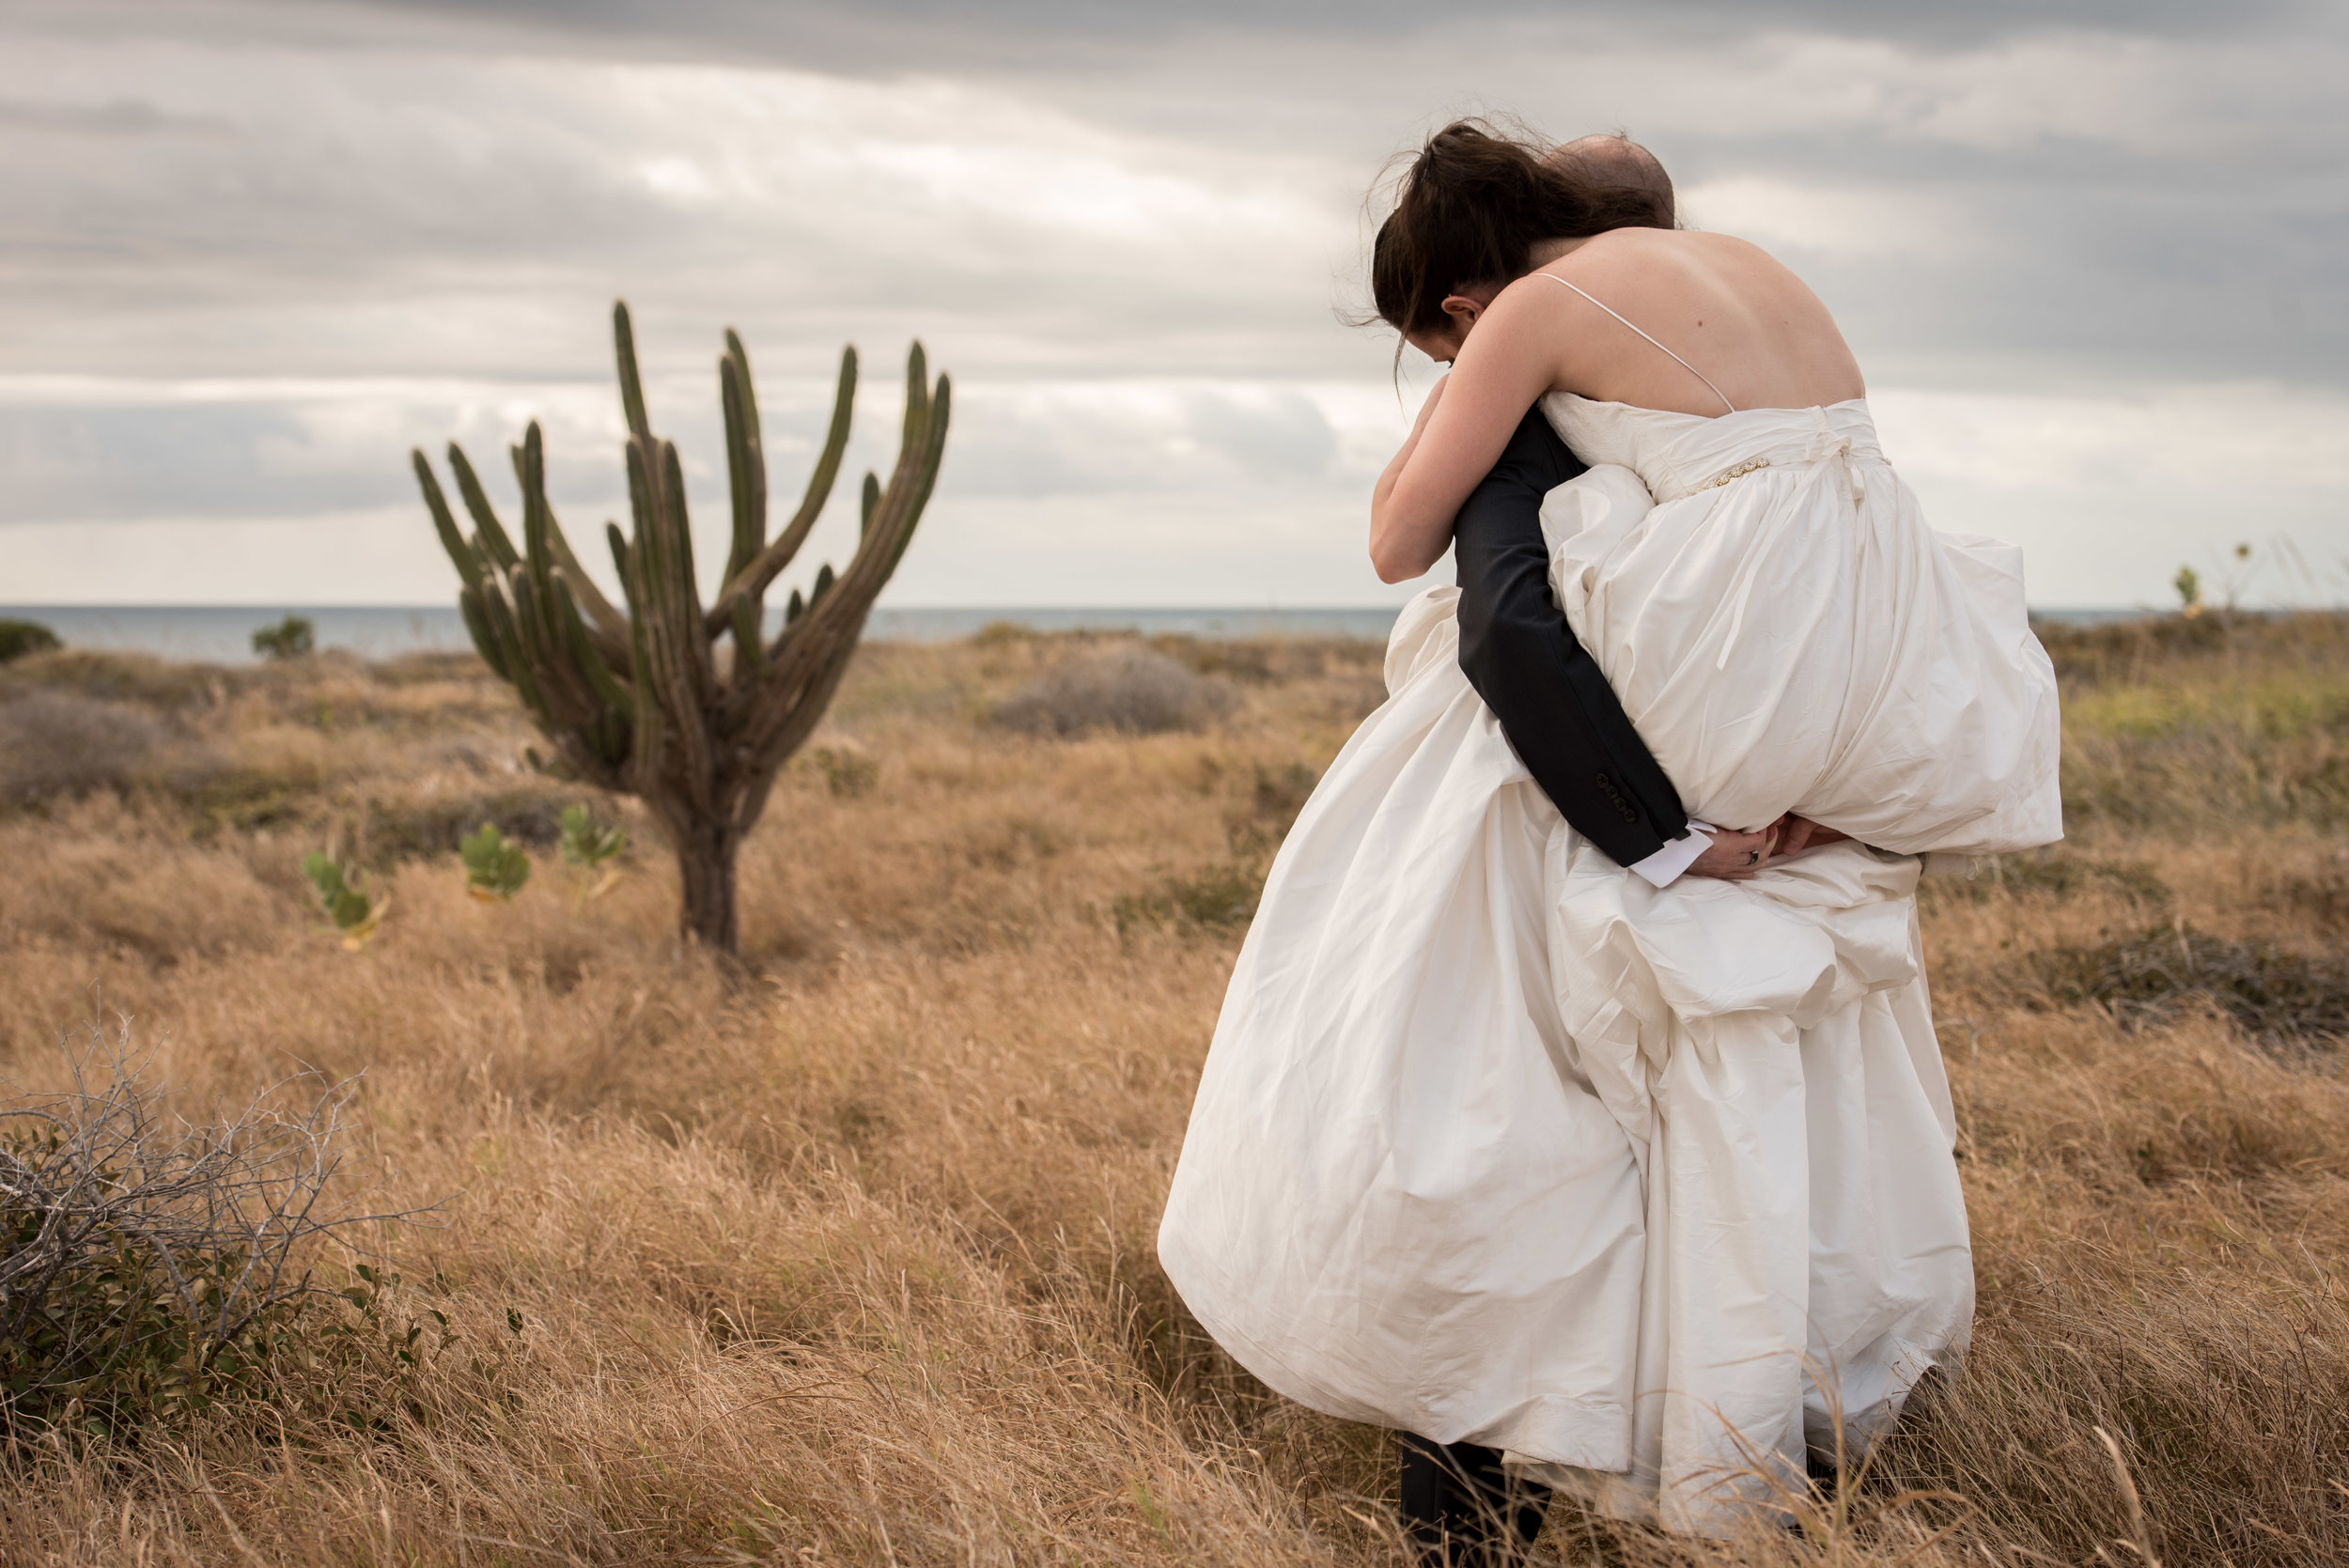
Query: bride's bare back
(1661,319)
(1738,319)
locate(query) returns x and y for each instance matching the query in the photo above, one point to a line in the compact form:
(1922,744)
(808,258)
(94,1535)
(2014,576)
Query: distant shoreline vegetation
(223,633)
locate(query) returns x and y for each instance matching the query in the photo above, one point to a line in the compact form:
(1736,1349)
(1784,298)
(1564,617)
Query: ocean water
(223,634)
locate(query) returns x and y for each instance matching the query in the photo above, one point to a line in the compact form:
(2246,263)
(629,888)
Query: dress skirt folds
(1649,1187)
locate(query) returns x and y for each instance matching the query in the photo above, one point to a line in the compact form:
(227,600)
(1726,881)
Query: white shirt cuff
(1664,867)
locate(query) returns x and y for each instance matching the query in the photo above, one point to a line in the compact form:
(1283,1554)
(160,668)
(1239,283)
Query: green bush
(150,1266)
(589,849)
(19,638)
(343,901)
(495,869)
(290,638)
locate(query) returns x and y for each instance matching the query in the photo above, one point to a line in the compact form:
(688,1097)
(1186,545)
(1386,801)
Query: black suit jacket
(1557,709)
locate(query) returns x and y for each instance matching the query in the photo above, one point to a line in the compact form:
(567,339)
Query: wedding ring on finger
(1753,857)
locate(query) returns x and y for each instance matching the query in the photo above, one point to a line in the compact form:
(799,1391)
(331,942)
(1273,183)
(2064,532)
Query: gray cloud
(895,33)
(1161,204)
(71,463)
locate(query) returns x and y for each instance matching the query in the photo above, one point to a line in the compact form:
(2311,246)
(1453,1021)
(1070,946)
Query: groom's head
(1479,206)
(1612,158)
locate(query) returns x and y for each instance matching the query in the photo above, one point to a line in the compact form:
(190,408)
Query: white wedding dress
(1649,1187)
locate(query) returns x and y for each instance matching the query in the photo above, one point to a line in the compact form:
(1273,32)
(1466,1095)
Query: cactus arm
(677,543)
(688,667)
(444,522)
(793,734)
(565,691)
(755,578)
(870,499)
(585,655)
(746,456)
(485,637)
(661,595)
(741,358)
(530,467)
(902,503)
(746,466)
(632,385)
(827,470)
(746,650)
(592,603)
(550,553)
(933,455)
(644,545)
(499,612)
(496,545)
(532,652)
(836,618)
(644,757)
(917,398)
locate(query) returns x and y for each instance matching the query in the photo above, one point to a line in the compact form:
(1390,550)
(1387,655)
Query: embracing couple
(1576,1108)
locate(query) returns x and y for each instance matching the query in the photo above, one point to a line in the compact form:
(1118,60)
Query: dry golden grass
(852,1260)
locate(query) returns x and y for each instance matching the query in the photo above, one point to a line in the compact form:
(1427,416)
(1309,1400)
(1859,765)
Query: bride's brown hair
(1471,207)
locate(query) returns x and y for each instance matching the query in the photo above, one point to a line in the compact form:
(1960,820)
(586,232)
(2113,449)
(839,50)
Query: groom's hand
(1735,857)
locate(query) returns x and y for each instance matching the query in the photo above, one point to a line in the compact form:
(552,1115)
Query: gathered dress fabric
(1652,1189)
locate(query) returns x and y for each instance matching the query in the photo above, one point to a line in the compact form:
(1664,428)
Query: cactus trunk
(636,699)
(705,857)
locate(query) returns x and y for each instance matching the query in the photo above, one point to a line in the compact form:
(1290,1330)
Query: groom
(1568,728)
(1554,705)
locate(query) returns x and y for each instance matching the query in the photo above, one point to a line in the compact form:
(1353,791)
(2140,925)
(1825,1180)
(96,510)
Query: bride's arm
(1506,364)
(1394,469)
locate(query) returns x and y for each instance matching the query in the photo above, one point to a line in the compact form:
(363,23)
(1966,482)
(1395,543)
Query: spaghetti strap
(1676,359)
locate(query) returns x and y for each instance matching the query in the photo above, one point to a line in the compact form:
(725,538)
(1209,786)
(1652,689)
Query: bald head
(1612,158)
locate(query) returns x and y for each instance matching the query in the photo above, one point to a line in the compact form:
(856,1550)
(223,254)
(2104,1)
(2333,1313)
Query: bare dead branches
(141,1251)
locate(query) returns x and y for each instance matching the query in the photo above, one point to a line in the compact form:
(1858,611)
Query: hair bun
(1469,211)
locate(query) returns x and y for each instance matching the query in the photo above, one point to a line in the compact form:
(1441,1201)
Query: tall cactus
(640,701)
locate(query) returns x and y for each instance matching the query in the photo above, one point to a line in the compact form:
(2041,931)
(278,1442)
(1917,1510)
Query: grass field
(848,1258)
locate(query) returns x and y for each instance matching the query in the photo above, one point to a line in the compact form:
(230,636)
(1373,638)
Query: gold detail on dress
(1739,472)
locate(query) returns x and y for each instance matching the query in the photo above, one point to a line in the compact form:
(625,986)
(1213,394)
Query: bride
(1649,1186)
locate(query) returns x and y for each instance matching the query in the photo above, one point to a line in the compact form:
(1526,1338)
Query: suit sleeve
(1554,705)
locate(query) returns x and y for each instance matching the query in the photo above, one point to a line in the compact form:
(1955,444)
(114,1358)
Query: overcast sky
(2094,257)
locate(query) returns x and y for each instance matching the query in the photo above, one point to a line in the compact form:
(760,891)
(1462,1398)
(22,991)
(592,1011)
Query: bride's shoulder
(1647,264)
(1620,248)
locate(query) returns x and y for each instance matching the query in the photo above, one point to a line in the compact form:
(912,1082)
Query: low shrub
(529,816)
(124,678)
(848,768)
(55,743)
(2049,876)
(496,870)
(1133,690)
(2321,893)
(19,638)
(240,799)
(290,638)
(343,899)
(1219,897)
(1256,832)
(2276,995)
(150,1266)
